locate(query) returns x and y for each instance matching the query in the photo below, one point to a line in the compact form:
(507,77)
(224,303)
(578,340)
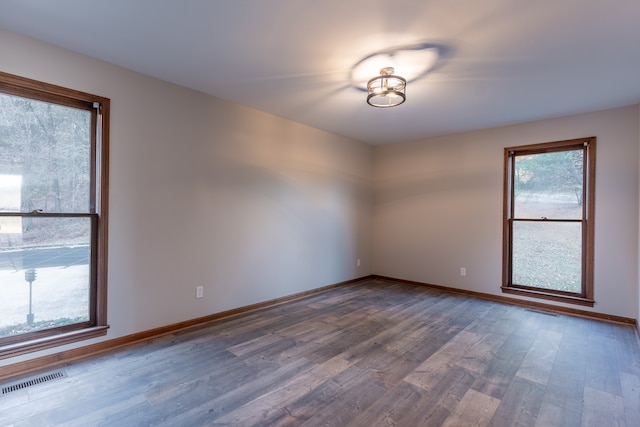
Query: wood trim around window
(54,337)
(586,296)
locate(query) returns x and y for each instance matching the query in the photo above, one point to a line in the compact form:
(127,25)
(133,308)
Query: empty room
(336,213)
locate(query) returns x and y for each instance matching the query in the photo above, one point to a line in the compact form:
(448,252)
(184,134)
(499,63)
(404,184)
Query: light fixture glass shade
(386,90)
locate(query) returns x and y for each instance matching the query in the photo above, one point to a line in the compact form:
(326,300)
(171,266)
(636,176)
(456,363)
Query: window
(53,215)
(549,220)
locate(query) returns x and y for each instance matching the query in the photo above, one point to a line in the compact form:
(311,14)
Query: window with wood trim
(53,215)
(548,222)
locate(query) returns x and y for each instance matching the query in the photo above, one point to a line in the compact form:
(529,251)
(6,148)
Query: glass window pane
(45,156)
(44,280)
(549,185)
(548,255)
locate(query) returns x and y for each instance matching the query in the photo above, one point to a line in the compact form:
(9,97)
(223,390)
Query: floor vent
(29,382)
(548,313)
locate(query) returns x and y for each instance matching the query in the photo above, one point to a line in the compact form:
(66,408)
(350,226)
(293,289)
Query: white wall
(254,207)
(205,192)
(438,205)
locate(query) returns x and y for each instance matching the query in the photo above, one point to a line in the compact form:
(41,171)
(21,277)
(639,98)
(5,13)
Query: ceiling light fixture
(386,90)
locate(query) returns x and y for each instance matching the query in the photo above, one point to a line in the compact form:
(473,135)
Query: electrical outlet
(463,271)
(199,291)
(358,263)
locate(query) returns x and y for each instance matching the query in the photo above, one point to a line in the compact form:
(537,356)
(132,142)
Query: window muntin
(53,188)
(548,220)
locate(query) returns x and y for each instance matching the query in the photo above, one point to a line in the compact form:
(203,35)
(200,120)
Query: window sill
(570,299)
(44,343)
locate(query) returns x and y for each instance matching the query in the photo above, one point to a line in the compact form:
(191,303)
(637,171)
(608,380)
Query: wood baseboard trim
(524,303)
(57,360)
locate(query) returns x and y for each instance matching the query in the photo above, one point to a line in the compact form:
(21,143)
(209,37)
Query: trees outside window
(549,220)
(53,216)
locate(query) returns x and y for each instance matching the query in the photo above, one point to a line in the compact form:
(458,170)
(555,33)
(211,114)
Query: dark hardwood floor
(374,353)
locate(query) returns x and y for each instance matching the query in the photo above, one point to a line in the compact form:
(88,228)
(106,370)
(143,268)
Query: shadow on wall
(286,219)
(430,183)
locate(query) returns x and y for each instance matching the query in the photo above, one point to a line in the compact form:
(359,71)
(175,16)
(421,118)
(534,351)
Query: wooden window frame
(97,325)
(586,296)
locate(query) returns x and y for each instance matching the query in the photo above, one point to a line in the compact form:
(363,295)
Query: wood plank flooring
(373,353)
